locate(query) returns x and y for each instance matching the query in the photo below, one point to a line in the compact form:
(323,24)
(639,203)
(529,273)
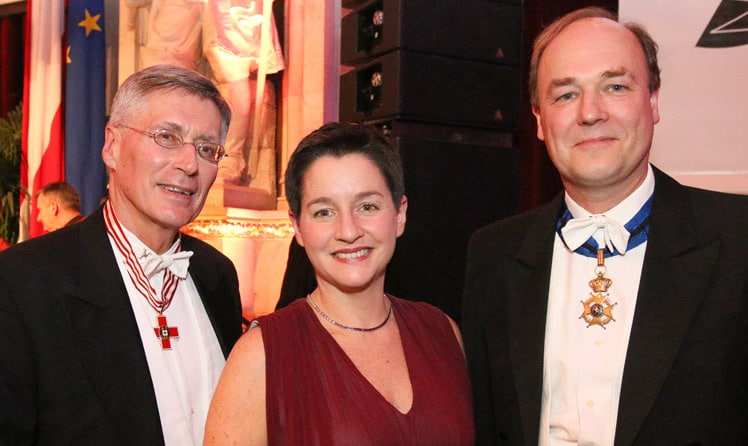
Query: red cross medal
(165,333)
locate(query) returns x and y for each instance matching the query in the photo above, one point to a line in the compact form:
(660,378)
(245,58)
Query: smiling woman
(345,190)
(348,220)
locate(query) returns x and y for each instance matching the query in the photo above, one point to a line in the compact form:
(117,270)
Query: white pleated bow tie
(177,263)
(578,230)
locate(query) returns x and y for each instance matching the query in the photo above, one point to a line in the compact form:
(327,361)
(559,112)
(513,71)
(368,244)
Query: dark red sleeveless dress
(316,396)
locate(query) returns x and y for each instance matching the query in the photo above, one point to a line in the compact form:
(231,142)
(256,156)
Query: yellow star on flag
(90,23)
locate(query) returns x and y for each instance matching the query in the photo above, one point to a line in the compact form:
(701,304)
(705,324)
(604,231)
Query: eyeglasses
(168,139)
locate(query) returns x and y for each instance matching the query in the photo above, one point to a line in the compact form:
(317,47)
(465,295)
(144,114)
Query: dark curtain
(11,61)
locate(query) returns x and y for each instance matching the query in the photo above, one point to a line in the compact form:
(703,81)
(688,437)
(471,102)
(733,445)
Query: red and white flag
(42,144)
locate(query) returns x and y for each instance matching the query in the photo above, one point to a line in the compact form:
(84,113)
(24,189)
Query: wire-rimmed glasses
(169,139)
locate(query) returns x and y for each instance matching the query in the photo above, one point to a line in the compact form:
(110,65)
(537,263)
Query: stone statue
(226,40)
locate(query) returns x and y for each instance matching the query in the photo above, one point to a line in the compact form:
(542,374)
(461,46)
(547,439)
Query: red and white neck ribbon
(137,275)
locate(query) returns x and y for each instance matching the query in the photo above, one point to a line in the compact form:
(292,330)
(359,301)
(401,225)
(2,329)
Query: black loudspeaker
(456,181)
(433,89)
(464,29)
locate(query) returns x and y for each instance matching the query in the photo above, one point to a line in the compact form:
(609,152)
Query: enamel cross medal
(141,281)
(165,333)
(597,308)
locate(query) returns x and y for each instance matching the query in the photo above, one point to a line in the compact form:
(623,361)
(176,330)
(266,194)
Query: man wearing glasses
(115,331)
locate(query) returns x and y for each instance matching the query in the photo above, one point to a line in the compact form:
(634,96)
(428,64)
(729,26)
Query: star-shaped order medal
(597,308)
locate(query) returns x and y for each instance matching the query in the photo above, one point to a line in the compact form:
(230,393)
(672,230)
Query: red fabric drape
(11,61)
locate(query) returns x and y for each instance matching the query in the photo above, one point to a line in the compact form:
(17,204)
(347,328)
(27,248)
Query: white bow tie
(579,230)
(177,263)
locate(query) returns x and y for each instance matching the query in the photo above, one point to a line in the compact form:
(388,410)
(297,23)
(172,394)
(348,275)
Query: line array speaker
(480,31)
(454,187)
(431,88)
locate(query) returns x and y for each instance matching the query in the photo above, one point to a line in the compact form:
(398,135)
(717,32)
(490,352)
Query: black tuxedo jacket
(72,367)
(685,378)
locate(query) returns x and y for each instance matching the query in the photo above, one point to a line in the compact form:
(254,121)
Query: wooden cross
(165,333)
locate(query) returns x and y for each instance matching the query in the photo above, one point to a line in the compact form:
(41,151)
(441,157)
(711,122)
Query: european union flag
(85,106)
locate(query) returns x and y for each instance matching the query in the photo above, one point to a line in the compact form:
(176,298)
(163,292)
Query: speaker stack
(442,79)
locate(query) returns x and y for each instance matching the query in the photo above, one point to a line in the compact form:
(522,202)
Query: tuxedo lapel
(107,336)
(527,302)
(106,333)
(677,266)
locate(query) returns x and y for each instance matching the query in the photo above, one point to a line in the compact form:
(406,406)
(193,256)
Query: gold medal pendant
(597,308)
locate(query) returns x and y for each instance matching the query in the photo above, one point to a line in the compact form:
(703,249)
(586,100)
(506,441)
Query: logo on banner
(728,27)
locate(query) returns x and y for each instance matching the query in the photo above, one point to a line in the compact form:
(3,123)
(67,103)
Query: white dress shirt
(185,376)
(583,366)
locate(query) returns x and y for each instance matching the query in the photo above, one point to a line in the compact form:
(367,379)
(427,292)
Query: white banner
(702,137)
